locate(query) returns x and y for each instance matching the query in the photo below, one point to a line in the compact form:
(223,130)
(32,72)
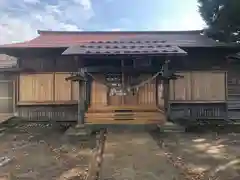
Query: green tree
(222,18)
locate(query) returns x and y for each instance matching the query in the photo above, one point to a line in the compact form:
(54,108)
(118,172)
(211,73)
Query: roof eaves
(42,32)
(23,44)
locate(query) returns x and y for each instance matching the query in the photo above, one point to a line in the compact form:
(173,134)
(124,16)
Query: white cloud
(185,17)
(189,20)
(15,30)
(19,24)
(87,5)
(32,1)
(181,24)
(116,29)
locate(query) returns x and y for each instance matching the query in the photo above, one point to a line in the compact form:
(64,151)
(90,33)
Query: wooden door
(130,98)
(146,95)
(115,79)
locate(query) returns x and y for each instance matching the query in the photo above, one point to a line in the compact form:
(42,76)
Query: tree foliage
(222,18)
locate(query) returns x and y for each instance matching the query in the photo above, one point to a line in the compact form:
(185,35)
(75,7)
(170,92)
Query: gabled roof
(65,39)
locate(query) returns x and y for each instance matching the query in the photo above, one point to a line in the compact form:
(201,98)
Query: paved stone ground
(136,156)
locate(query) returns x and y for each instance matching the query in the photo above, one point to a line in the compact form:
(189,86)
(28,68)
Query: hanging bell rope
(144,81)
(130,87)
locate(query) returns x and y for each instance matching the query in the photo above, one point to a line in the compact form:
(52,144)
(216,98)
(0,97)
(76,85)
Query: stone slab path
(136,156)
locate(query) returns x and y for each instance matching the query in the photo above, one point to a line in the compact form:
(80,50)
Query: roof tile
(113,47)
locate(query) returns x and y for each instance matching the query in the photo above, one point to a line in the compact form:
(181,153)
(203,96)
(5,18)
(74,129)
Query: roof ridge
(42,32)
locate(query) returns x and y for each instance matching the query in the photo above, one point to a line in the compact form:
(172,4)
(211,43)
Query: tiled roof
(53,39)
(124,47)
(63,40)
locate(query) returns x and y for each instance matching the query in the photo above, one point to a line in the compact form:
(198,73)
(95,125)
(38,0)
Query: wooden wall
(199,86)
(98,92)
(145,96)
(51,88)
(160,94)
(234,92)
(49,63)
(46,88)
(147,93)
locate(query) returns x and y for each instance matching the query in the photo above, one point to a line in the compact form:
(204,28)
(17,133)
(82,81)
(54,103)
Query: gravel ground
(203,156)
(40,152)
(172,156)
(33,152)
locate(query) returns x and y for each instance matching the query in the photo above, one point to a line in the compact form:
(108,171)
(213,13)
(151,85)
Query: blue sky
(20,19)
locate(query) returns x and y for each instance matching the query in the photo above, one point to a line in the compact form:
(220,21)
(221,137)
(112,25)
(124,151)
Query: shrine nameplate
(117,92)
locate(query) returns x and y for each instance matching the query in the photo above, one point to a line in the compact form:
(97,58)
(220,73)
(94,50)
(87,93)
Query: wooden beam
(104,69)
(75,78)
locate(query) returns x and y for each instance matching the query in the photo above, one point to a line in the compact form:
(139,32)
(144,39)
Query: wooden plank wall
(36,87)
(46,87)
(147,93)
(160,94)
(199,86)
(63,88)
(180,89)
(233,80)
(49,63)
(99,92)
(52,88)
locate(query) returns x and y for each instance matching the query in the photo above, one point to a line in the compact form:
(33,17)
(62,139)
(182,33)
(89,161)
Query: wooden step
(171,127)
(111,121)
(126,118)
(145,108)
(137,114)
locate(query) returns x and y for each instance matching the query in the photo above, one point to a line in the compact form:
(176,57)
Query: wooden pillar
(88,91)
(84,96)
(166,77)
(81,78)
(80,129)
(81,103)
(166,94)
(157,82)
(123,82)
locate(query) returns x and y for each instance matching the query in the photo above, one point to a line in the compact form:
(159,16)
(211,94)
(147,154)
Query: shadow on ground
(41,152)
(207,155)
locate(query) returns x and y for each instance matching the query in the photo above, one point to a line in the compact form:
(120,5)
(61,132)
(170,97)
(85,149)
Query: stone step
(171,127)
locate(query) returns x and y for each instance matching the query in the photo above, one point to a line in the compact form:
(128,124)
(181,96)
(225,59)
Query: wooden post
(166,94)
(166,79)
(123,83)
(81,103)
(80,129)
(82,100)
